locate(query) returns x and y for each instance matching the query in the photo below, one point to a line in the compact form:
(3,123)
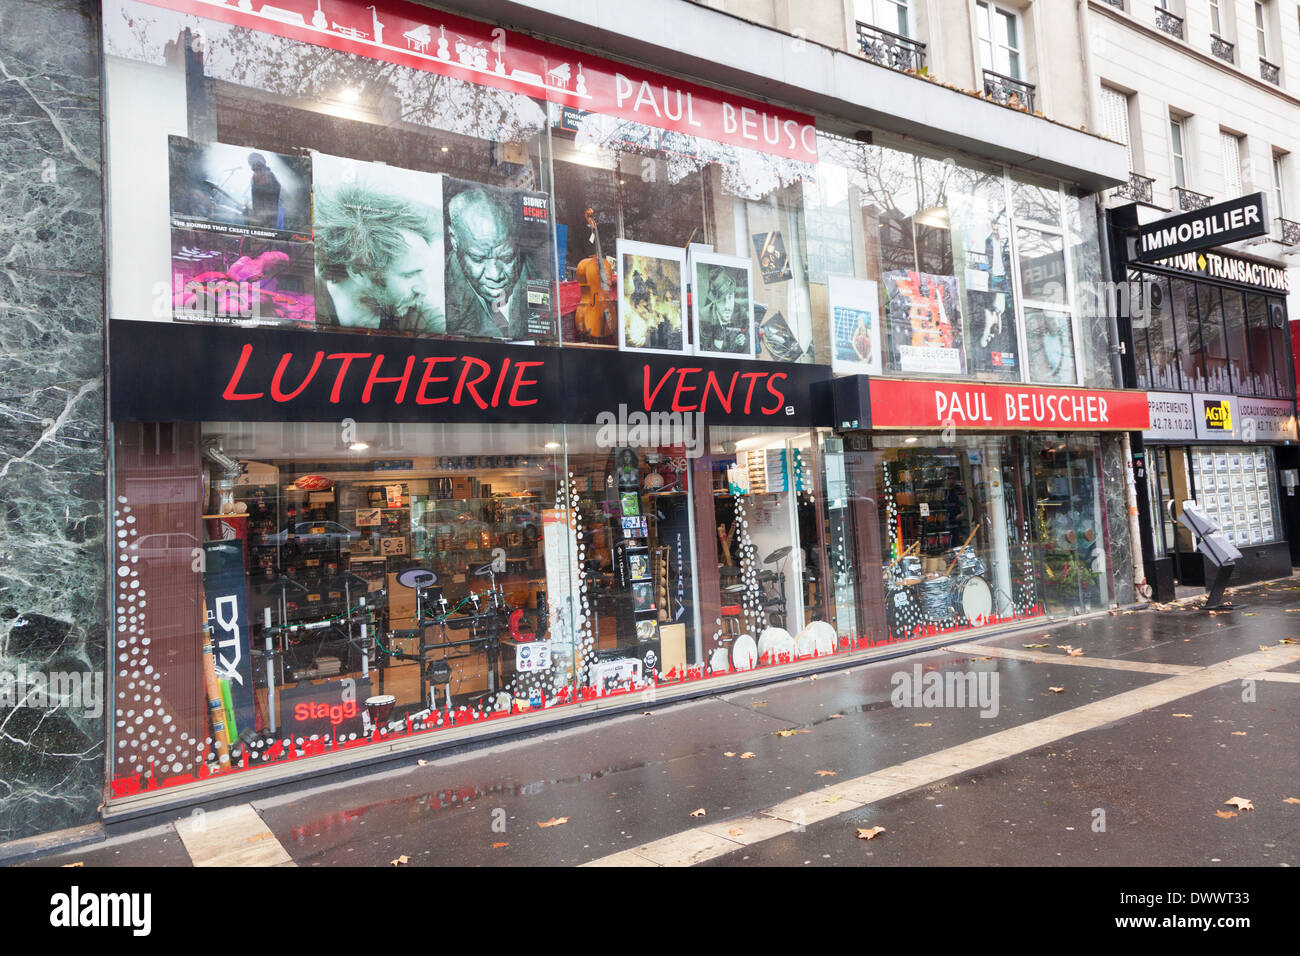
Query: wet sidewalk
(1155,718)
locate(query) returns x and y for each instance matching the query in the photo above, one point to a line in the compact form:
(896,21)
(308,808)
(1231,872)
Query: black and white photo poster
(722,304)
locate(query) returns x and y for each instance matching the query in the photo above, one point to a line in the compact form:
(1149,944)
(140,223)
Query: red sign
(313,483)
(424,39)
(897,403)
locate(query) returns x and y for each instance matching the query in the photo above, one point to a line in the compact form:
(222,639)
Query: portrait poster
(379,247)
(241,250)
(500,262)
(924,323)
(722,305)
(773,261)
(651,297)
(855,325)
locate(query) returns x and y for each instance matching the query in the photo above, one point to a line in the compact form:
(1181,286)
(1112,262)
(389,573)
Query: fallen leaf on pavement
(497,846)
(422,763)
(1292,800)
(648,713)
(735,831)
(1057,690)
(553,822)
(1182,715)
(865,834)
(1288,640)
(1075,652)
(812,676)
(834,716)
(747,755)
(1225,814)
(79,863)
(825,773)
(758,703)
(791,733)
(923,725)
(400,861)
(698,813)
(1265,647)
(1238,733)
(1033,645)
(1241,803)
(728,753)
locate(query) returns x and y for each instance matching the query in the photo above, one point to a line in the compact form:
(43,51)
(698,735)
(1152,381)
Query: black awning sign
(1242,218)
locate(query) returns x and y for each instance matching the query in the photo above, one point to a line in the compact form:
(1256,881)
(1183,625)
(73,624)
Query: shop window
(1282,367)
(1234,328)
(1154,322)
(1183,305)
(1237,487)
(955,521)
(1259,342)
(1215,346)
(1069,521)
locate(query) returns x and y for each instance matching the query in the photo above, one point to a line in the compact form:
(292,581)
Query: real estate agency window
(999,39)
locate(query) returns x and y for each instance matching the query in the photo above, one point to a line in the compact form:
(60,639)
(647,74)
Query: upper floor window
(1216,19)
(1279,190)
(1114,118)
(1261,32)
(1178,150)
(999,37)
(892,15)
(1232,181)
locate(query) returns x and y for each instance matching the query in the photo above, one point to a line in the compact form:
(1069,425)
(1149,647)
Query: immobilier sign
(1242,218)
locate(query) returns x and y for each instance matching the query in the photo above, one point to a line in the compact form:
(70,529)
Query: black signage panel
(1242,218)
(162,371)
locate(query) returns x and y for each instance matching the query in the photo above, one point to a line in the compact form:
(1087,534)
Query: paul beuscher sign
(904,404)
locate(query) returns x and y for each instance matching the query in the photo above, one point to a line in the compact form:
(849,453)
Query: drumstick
(969,537)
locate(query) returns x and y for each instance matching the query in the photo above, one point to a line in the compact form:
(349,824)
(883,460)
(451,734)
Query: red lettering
(649,395)
(775,393)
(301,711)
(521,382)
(753,381)
(682,387)
(230,394)
(712,380)
(501,380)
(374,378)
(281,396)
(463,384)
(345,361)
(430,378)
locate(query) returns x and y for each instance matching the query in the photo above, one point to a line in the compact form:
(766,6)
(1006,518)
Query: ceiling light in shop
(551,444)
(909,440)
(358,446)
(349,95)
(446,149)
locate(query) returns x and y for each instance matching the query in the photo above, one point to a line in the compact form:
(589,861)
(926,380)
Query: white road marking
(715,839)
(233,836)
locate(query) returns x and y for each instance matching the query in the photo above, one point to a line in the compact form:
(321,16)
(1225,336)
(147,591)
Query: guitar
(597,314)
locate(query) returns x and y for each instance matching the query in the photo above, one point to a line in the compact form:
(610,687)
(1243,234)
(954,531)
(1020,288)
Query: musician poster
(241,251)
(855,325)
(500,262)
(723,305)
(651,297)
(379,247)
(924,323)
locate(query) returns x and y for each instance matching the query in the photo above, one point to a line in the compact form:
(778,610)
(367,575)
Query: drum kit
(959,597)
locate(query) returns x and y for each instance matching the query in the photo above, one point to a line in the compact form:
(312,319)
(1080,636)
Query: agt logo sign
(1218,416)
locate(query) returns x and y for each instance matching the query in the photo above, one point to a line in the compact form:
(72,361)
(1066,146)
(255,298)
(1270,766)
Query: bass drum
(902,610)
(973,601)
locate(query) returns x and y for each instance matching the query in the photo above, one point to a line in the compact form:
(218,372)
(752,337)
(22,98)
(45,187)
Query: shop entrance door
(1168,487)
(1070,521)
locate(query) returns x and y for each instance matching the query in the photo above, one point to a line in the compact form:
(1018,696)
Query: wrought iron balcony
(1168,22)
(1138,189)
(1222,49)
(1189,200)
(890,49)
(1270,72)
(1290,231)
(1008,91)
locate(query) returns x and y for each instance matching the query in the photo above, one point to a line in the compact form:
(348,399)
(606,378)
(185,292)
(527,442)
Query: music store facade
(462,381)
(1209,338)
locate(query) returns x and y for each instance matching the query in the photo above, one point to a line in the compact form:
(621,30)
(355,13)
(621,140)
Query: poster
(241,249)
(773,261)
(924,323)
(651,297)
(855,325)
(379,247)
(500,262)
(226,613)
(722,305)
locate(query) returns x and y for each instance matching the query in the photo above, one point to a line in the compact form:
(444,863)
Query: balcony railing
(890,49)
(1008,91)
(1270,72)
(1170,23)
(1138,189)
(1222,49)
(1189,200)
(1290,231)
